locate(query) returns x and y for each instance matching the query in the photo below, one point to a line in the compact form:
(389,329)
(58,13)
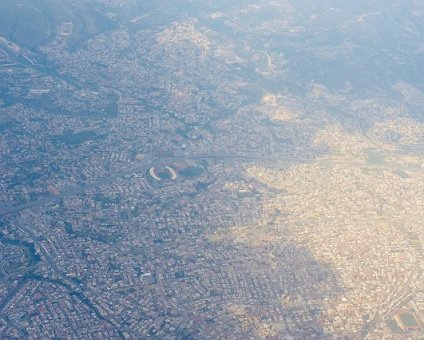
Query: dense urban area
(211,169)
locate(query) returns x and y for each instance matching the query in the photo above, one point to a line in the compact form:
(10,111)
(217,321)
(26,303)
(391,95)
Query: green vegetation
(23,23)
(415,242)
(192,171)
(31,23)
(393,326)
(16,255)
(408,319)
(12,267)
(163,175)
(375,157)
(69,229)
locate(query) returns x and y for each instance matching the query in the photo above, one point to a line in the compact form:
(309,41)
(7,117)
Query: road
(140,168)
(11,211)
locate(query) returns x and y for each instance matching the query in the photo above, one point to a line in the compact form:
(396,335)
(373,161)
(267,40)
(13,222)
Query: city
(211,171)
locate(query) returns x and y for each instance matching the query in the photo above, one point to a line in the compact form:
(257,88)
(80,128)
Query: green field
(192,171)
(408,320)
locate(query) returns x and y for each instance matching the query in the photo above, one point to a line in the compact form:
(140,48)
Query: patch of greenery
(408,320)
(192,171)
(375,157)
(23,23)
(71,138)
(31,23)
(393,326)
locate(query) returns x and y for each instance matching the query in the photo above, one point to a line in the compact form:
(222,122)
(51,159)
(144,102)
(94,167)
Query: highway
(142,168)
